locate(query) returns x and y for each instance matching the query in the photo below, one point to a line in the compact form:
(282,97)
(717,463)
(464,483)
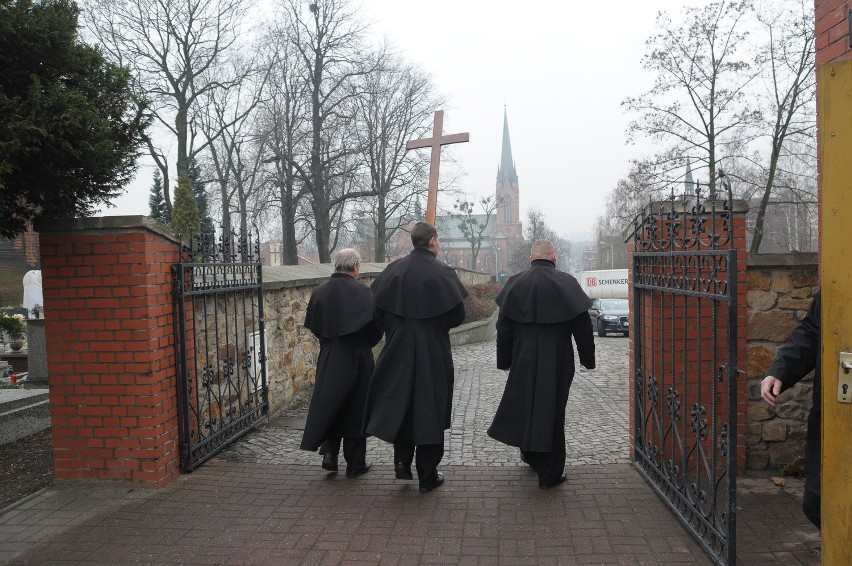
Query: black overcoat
(540,310)
(340,315)
(417,300)
(795,359)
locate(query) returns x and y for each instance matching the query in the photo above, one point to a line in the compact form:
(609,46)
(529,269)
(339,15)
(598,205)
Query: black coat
(417,301)
(540,310)
(340,314)
(795,359)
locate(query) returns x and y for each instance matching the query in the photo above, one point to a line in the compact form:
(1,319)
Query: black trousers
(811,506)
(549,465)
(428,458)
(354,451)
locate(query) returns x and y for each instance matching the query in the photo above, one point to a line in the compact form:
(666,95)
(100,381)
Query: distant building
(16,258)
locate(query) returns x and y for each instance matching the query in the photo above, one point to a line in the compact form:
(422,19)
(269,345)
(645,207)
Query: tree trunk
(380,245)
(764,200)
(182,143)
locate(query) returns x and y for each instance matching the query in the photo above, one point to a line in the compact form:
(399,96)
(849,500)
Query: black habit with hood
(540,310)
(417,300)
(340,314)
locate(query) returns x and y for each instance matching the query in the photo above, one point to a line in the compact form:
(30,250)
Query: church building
(503,235)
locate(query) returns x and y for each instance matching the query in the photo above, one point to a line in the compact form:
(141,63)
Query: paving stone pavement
(263,501)
(596,422)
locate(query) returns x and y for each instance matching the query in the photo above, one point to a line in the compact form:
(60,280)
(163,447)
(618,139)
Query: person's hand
(770,387)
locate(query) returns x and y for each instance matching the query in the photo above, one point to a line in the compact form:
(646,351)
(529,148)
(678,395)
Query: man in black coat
(540,310)
(795,359)
(417,300)
(340,314)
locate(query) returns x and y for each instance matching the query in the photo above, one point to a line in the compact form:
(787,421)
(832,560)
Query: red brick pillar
(832,30)
(109,330)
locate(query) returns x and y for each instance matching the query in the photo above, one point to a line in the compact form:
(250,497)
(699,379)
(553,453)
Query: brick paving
(263,501)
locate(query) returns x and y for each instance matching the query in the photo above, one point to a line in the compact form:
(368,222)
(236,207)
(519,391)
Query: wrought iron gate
(220,344)
(685,364)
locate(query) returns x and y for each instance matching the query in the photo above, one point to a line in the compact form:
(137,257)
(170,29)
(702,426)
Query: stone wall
(780,288)
(469,277)
(291,349)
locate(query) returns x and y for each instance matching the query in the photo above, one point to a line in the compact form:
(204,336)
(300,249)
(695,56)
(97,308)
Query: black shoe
(403,471)
(329,462)
(562,479)
(438,482)
(362,470)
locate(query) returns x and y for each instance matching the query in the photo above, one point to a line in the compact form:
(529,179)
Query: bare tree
(228,122)
(536,228)
(473,225)
(328,39)
(284,114)
(791,89)
(395,105)
(699,99)
(172,48)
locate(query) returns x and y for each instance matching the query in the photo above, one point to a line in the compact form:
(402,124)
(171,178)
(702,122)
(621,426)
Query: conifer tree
(185,218)
(199,189)
(156,201)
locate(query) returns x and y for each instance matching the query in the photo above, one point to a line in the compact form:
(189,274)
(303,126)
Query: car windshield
(614,304)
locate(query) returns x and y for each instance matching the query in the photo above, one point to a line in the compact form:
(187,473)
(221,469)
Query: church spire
(688,184)
(506,171)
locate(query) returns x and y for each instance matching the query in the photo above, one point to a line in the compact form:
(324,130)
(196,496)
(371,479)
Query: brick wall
(780,289)
(832,30)
(107,291)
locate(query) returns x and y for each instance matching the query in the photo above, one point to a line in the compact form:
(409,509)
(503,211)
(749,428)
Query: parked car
(610,315)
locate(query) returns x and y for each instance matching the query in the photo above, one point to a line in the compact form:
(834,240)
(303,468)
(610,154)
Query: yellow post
(835,131)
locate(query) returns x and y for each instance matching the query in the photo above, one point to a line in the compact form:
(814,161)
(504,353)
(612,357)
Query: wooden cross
(435,142)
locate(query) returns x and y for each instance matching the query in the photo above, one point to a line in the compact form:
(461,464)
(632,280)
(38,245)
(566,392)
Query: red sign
(591,281)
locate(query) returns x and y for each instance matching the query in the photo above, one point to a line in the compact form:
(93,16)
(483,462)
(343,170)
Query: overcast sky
(560,68)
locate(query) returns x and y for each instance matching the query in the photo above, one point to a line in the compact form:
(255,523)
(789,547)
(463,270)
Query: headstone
(37,346)
(33,298)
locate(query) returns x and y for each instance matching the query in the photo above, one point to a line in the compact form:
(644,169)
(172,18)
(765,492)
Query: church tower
(508,212)
(688,183)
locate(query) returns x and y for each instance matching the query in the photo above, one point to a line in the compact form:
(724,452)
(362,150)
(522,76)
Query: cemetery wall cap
(99,223)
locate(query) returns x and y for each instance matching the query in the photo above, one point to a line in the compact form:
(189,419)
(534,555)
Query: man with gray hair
(340,315)
(541,309)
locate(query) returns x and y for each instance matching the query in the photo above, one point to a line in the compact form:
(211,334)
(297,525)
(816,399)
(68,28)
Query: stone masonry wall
(291,349)
(780,289)
(469,277)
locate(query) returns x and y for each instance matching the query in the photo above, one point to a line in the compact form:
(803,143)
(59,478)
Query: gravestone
(33,298)
(37,350)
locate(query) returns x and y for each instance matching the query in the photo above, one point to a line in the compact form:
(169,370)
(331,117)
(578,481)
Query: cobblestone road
(596,424)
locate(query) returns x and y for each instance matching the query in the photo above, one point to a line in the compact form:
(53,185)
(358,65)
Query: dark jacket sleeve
(798,356)
(455,316)
(505,329)
(373,332)
(581,328)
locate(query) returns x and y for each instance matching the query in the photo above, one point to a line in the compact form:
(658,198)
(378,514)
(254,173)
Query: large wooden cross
(435,142)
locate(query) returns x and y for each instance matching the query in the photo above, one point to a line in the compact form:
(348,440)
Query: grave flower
(12,325)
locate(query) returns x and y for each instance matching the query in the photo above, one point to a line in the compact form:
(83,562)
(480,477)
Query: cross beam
(435,142)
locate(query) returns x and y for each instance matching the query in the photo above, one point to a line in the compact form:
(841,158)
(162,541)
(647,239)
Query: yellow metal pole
(835,131)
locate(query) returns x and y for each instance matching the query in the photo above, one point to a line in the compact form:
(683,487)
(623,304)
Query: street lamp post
(611,251)
(496,266)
